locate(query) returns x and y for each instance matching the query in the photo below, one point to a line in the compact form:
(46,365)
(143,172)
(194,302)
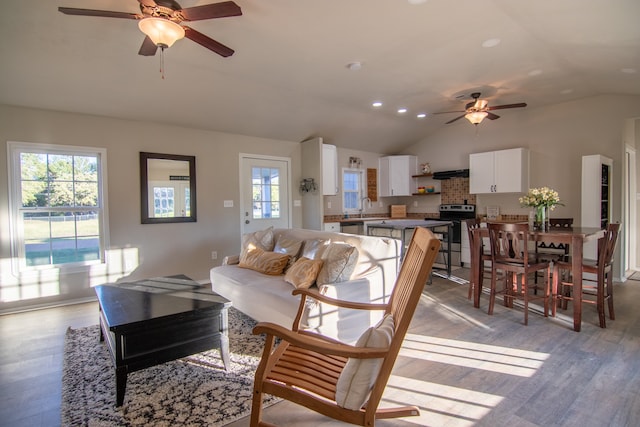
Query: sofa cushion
(289,246)
(262,239)
(303,273)
(339,263)
(313,248)
(271,263)
(359,375)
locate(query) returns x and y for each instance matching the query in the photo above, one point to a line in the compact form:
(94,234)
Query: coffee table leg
(121,384)
(224,351)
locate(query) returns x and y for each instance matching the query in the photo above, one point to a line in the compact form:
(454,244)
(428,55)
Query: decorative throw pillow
(359,375)
(339,263)
(313,249)
(302,274)
(264,262)
(262,239)
(287,245)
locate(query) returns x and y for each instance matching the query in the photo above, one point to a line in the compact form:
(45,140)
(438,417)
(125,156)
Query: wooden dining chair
(509,253)
(479,259)
(342,381)
(597,290)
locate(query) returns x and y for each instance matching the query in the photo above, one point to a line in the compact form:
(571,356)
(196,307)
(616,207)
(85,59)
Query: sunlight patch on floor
(506,360)
(440,405)
(451,312)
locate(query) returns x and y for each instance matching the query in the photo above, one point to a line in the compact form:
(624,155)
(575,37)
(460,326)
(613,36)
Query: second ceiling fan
(479,109)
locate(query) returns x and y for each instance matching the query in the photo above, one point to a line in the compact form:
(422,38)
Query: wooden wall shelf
(425,194)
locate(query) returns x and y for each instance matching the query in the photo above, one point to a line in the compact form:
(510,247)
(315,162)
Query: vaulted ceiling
(289,77)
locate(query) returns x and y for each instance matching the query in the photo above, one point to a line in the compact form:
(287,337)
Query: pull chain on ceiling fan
(476,111)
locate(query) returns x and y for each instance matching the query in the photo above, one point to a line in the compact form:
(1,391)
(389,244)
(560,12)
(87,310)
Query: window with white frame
(58,205)
(352,190)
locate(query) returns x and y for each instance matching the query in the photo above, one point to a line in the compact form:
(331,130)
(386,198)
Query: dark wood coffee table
(153,321)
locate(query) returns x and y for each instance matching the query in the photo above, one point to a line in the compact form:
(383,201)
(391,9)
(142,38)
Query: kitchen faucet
(362,201)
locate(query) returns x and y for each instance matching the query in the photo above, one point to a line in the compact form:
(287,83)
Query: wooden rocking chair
(305,367)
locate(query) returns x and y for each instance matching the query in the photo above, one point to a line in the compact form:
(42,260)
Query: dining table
(576,237)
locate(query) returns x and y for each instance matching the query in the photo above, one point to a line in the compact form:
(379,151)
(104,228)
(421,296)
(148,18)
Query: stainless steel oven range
(456,213)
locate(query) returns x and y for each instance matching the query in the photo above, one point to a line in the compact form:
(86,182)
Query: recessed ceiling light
(377,104)
(417,1)
(566,91)
(491,42)
(354,66)
(421,115)
(402,110)
(629,70)
(534,73)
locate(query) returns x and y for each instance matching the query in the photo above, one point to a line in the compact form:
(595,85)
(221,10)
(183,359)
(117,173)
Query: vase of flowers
(544,200)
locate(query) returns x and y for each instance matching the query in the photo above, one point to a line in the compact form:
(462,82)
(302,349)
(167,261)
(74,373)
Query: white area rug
(194,391)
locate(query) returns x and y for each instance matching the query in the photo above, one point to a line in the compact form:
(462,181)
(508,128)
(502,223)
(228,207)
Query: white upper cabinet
(504,171)
(396,175)
(329,170)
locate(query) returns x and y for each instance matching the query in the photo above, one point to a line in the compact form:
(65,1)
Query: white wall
(138,250)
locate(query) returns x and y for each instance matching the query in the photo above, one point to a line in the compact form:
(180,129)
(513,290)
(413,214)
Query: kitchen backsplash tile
(456,191)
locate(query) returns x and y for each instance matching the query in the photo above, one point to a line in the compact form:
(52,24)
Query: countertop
(356,220)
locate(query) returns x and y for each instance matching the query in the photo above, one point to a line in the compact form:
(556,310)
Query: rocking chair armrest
(307,341)
(312,293)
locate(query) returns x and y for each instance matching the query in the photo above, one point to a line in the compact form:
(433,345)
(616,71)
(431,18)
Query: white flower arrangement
(538,197)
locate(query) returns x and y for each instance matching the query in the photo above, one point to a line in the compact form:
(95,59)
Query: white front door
(265,195)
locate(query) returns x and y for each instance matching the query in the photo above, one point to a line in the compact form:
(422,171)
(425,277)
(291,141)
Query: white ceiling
(288,78)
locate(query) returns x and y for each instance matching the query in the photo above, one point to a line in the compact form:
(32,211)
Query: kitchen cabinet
(396,175)
(596,196)
(329,170)
(503,171)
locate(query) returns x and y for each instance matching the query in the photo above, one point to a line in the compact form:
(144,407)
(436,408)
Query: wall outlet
(415,203)
(214,254)
(329,205)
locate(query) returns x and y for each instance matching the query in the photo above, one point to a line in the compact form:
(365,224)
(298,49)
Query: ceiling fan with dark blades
(161,21)
(479,109)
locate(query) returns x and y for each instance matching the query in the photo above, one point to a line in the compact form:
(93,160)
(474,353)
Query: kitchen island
(402,229)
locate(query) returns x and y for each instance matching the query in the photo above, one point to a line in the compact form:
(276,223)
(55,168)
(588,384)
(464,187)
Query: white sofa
(268,297)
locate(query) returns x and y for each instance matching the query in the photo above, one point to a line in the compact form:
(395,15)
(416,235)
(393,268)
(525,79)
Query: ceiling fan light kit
(162,32)
(476,117)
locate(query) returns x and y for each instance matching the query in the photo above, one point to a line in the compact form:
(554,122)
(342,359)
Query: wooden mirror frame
(144,188)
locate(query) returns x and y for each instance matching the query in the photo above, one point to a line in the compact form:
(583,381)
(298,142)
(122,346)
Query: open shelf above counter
(436,188)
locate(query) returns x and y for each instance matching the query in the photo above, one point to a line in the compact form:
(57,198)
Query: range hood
(459,173)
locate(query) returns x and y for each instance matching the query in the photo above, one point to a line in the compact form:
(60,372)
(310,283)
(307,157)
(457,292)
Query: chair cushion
(339,263)
(271,263)
(359,375)
(303,273)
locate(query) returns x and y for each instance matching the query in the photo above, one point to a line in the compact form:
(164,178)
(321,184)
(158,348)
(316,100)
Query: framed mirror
(167,188)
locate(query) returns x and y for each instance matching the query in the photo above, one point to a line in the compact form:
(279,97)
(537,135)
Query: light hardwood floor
(459,365)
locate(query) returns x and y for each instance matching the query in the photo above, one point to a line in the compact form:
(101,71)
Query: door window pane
(265,187)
